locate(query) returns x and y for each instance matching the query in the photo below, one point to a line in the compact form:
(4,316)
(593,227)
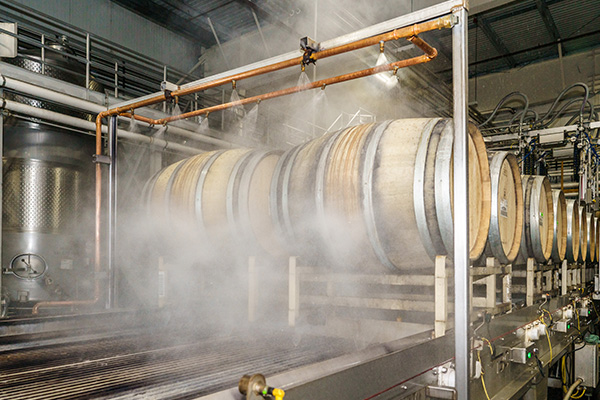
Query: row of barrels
(531,220)
(366,196)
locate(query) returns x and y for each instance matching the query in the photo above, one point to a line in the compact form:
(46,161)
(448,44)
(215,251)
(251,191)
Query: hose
(578,382)
(585,99)
(535,116)
(561,110)
(502,102)
(590,118)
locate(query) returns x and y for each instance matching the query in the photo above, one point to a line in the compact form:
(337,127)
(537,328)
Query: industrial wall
(542,81)
(115,23)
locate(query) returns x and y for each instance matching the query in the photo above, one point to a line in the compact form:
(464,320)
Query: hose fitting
(255,388)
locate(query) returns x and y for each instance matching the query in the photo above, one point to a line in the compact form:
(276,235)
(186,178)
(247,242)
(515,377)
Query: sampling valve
(255,388)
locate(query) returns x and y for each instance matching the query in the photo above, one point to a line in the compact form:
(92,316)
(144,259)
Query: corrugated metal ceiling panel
(518,25)
(576,17)
(522,31)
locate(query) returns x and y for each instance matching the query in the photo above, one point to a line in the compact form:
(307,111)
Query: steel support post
(87,61)
(1,189)
(112,212)
(461,200)
(252,288)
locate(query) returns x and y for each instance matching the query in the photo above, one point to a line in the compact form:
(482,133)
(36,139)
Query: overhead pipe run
(48,94)
(61,98)
(52,116)
(128,110)
(439,23)
(430,54)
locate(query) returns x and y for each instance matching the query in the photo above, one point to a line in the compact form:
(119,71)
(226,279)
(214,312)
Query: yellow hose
(483,381)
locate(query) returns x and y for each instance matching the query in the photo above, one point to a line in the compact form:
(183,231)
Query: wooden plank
(363,302)
(529,298)
(441,296)
(396,280)
(293,292)
(252,289)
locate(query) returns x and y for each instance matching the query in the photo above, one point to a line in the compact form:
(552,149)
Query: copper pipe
(430,54)
(147,120)
(409,31)
(439,23)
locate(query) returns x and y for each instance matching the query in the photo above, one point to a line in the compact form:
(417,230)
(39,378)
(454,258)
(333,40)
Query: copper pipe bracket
(101,159)
(309,47)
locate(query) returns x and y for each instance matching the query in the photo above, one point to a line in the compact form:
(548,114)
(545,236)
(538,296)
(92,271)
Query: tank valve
(255,388)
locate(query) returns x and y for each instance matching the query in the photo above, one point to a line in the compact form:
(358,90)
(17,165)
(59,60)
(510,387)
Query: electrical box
(585,312)
(586,365)
(562,326)
(520,354)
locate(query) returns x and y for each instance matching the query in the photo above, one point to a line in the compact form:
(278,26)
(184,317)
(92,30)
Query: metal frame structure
(462,330)
(457,8)
(462,342)
(378,371)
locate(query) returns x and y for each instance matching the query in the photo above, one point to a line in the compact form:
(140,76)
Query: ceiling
(196,19)
(515,34)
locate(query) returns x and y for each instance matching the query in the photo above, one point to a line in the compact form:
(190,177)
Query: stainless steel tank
(47,202)
(46,210)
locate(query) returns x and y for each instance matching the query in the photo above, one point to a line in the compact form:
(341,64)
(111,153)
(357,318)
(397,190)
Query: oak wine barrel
(506,223)
(365,195)
(538,231)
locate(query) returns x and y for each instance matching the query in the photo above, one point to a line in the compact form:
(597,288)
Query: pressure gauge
(28,266)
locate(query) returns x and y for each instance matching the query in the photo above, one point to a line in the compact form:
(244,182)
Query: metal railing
(122,72)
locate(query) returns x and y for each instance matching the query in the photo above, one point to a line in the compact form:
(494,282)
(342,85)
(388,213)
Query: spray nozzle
(308,46)
(381,46)
(233,84)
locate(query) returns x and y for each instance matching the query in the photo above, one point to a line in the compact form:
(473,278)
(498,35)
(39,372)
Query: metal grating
(160,365)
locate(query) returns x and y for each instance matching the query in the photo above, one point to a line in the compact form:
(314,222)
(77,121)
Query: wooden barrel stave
(572,253)
(582,233)
(559,244)
(597,251)
(591,238)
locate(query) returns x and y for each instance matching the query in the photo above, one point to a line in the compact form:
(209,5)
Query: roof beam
(267,16)
(159,16)
(548,20)
(496,41)
(210,10)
